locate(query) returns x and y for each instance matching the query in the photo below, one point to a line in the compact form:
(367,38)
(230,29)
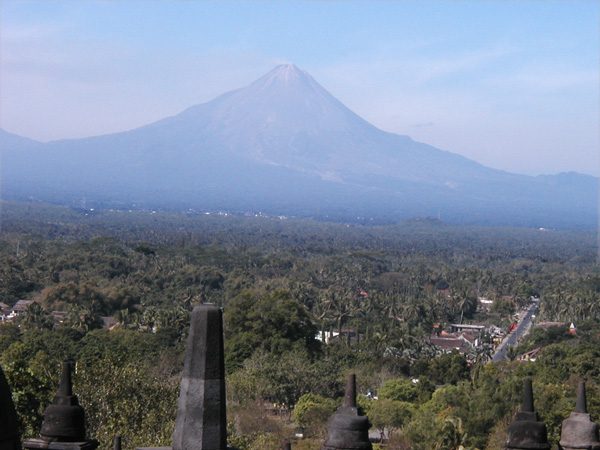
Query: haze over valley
(283,145)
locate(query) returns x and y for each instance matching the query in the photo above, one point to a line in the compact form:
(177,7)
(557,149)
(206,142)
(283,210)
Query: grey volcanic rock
(284,145)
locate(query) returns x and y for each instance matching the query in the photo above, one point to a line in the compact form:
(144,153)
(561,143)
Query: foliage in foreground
(280,282)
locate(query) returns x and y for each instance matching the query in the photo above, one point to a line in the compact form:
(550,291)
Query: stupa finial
(526,431)
(578,431)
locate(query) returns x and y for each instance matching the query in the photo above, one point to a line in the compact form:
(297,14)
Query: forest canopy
(305,303)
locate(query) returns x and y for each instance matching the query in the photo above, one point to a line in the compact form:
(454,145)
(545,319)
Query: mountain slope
(285,145)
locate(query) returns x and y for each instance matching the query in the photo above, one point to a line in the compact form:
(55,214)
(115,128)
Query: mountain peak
(284,144)
(285,75)
(288,72)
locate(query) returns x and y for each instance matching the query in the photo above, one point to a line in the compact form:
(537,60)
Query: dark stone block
(10,439)
(88,444)
(201,422)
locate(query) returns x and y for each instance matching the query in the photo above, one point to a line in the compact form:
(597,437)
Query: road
(523,326)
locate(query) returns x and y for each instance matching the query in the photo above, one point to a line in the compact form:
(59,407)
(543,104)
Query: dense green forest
(280,282)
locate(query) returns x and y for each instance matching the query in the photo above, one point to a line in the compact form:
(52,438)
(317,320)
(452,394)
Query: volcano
(284,145)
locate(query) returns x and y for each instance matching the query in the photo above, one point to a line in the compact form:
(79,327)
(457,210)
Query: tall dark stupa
(526,431)
(348,429)
(201,417)
(578,431)
(64,420)
(201,422)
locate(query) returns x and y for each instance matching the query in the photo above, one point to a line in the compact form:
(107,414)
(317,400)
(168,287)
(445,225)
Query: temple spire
(526,431)
(65,389)
(578,431)
(64,420)
(527,405)
(350,397)
(581,406)
(201,422)
(348,428)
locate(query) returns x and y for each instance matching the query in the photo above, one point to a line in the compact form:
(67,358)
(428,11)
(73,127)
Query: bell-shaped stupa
(526,431)
(578,431)
(64,420)
(348,429)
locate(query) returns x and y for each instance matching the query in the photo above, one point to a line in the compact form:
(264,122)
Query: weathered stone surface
(348,430)
(64,420)
(578,431)
(526,431)
(89,444)
(201,422)
(9,432)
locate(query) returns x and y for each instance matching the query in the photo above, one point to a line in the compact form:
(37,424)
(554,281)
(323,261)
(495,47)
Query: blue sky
(512,85)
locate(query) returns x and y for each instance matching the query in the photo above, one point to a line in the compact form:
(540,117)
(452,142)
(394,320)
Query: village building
(4,311)
(18,308)
(530,355)
(546,325)
(349,335)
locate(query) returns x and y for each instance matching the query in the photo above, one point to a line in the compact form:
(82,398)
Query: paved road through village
(523,326)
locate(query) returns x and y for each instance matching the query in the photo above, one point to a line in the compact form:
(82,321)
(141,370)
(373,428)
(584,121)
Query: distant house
(530,355)
(19,308)
(447,342)
(546,325)
(4,311)
(60,316)
(462,337)
(328,336)
(108,322)
(485,304)
(456,327)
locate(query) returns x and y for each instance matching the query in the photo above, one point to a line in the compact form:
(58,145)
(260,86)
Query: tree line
(281,282)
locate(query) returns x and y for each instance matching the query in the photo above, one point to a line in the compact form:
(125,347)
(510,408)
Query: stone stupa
(526,431)
(348,428)
(578,431)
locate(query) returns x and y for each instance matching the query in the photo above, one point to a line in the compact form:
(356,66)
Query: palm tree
(511,353)
(83,318)
(452,436)
(34,316)
(149,318)
(412,310)
(464,302)
(123,317)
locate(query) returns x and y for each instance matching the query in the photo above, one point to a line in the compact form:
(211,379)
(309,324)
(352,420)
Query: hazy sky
(512,85)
